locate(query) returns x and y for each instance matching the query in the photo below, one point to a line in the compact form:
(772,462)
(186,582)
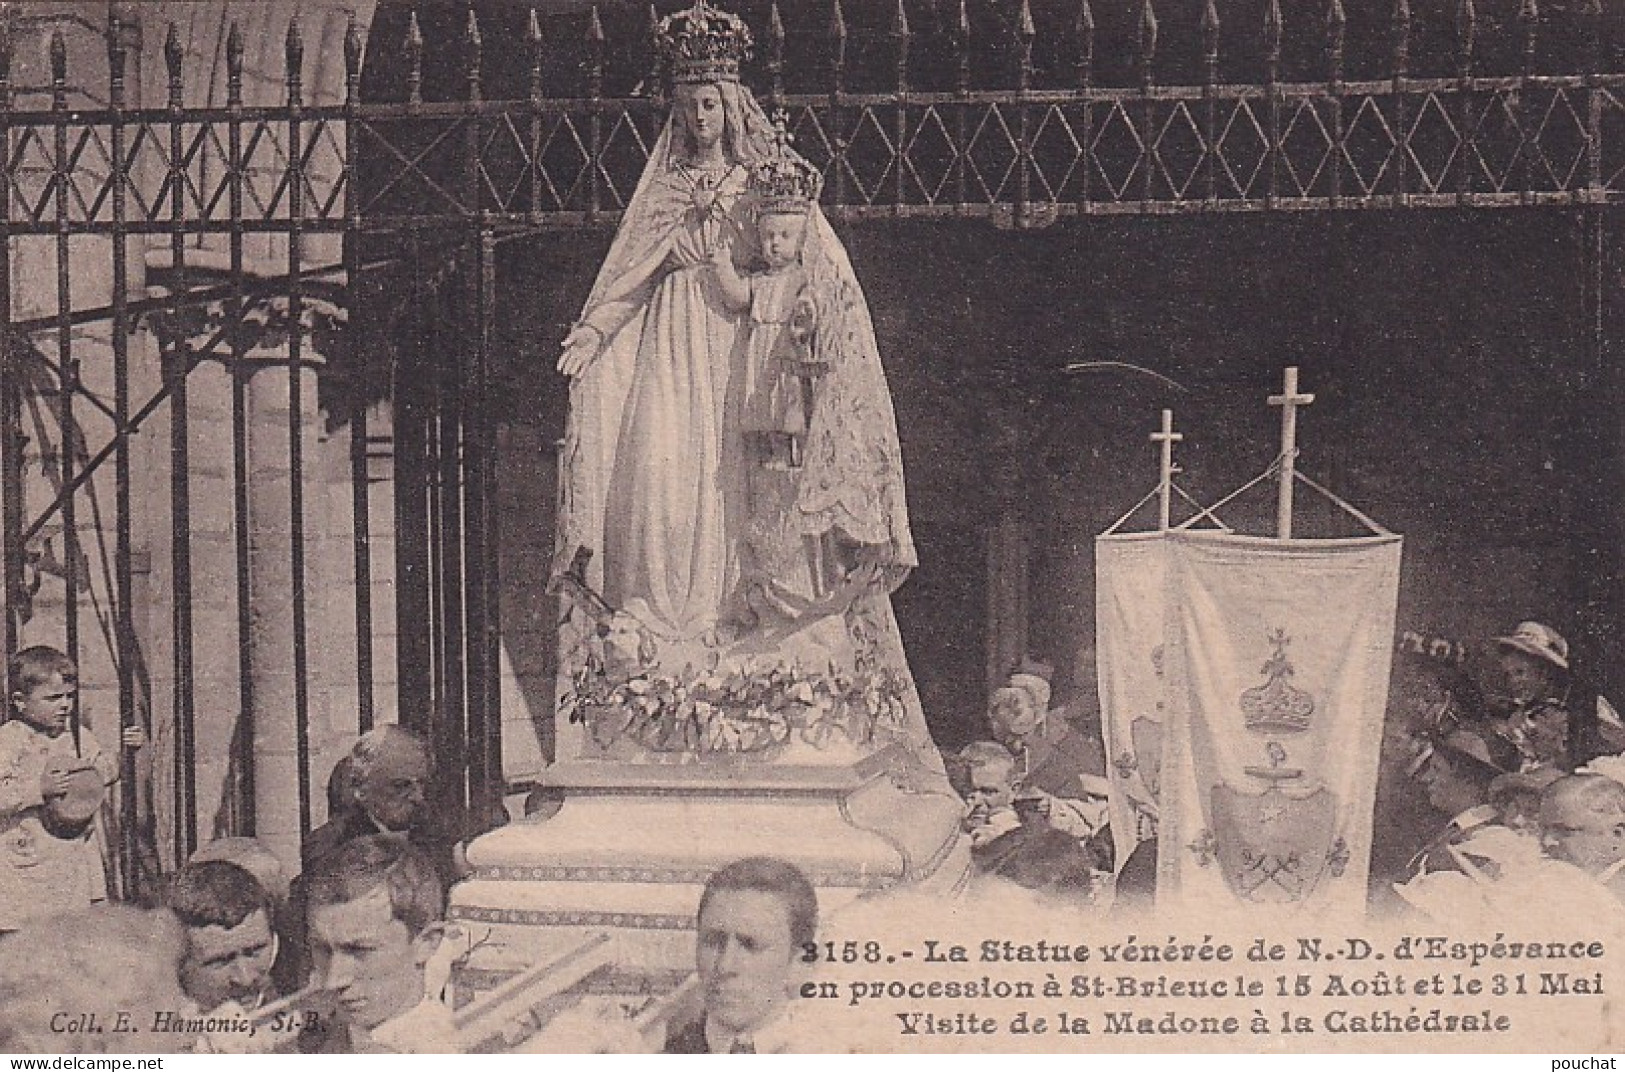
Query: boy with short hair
(374,925)
(52,781)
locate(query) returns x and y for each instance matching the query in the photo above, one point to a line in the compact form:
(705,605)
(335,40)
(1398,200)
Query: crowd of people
(350,956)
(1501,770)
(1497,773)
(1501,782)
(239,958)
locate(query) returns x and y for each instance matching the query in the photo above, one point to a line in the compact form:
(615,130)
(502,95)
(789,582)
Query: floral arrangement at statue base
(749,712)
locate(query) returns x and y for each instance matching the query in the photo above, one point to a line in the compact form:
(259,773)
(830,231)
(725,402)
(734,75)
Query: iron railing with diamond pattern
(1013,152)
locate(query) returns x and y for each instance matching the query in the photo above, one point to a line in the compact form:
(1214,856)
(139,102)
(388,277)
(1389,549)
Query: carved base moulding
(630,849)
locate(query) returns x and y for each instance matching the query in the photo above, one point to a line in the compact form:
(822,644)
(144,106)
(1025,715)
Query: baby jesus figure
(781,319)
(785,570)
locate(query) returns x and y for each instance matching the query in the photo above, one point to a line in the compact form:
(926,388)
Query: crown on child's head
(783,181)
(702,44)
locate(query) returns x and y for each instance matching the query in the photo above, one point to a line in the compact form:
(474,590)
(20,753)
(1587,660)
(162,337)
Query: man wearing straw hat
(1554,721)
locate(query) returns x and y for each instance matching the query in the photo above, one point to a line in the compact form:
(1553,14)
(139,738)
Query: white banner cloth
(1130,578)
(1277,665)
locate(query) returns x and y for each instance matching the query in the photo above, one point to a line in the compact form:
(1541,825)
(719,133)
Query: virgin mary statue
(691,629)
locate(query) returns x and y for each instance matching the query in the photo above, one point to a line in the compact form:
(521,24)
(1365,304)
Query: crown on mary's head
(702,44)
(783,181)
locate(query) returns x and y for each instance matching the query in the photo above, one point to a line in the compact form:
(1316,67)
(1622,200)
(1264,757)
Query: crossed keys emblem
(1274,846)
(1261,868)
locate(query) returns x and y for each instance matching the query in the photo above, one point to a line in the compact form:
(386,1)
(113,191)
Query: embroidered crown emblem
(783,181)
(1276,706)
(702,44)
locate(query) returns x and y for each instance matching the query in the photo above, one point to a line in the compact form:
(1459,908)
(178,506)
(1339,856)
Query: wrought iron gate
(388,212)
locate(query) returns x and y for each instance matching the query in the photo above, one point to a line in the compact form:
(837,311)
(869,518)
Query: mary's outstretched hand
(581,348)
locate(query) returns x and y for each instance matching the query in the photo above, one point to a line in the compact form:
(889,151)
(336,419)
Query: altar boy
(52,782)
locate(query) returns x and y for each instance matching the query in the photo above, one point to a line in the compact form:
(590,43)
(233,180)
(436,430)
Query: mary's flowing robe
(672,499)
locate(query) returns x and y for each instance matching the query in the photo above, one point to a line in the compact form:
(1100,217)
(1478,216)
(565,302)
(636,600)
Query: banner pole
(1289,400)
(1166,438)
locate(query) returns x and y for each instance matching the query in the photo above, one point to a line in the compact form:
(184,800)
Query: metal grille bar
(11,415)
(296,186)
(179,364)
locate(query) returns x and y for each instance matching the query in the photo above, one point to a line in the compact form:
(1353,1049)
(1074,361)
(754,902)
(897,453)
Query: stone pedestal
(630,849)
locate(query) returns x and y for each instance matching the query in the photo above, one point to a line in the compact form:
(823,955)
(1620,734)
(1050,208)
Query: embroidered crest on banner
(1273,846)
(1276,706)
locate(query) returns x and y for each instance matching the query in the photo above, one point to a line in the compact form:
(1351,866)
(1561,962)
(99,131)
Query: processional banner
(1130,577)
(1277,658)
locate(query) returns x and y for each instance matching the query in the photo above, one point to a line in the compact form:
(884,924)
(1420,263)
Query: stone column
(210,532)
(272,592)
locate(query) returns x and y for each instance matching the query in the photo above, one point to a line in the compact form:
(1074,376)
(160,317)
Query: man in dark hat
(1455,774)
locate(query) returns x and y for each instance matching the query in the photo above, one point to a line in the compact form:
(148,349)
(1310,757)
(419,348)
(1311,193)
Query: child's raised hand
(54,783)
(134,736)
(722,256)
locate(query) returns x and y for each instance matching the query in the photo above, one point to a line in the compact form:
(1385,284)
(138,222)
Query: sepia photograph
(812,526)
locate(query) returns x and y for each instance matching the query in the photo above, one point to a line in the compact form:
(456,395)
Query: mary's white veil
(598,396)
